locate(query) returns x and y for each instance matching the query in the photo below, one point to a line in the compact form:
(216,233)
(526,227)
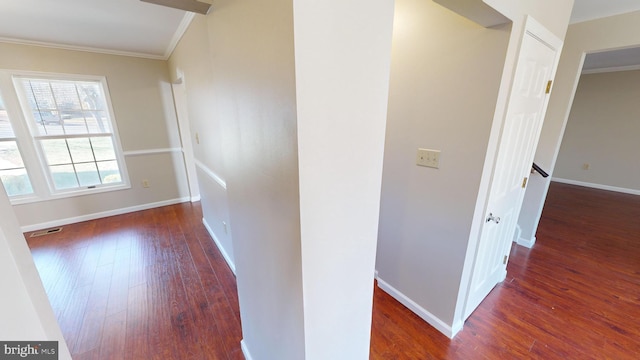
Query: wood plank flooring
(575,295)
(152,285)
(145,285)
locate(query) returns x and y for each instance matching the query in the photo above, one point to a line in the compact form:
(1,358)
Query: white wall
(342,82)
(603,131)
(24,308)
(552,14)
(275,161)
(590,36)
(141,96)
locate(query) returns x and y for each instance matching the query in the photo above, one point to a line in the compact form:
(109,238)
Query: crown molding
(82,48)
(182,28)
(611,69)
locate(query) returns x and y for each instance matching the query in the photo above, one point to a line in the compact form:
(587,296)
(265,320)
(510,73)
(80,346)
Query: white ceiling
(613,60)
(118,26)
(139,28)
(584,10)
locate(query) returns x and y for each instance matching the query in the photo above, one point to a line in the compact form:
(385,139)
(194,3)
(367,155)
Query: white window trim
(32,153)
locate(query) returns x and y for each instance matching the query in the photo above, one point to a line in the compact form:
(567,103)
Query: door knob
(495,219)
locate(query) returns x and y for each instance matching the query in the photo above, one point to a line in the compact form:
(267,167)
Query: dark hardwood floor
(152,285)
(146,285)
(575,295)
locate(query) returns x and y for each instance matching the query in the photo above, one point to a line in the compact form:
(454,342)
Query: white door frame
(179,91)
(531,26)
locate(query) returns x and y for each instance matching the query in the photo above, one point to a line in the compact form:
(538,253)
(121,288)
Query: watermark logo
(32,350)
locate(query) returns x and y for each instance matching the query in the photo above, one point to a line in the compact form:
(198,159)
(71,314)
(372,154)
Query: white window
(68,124)
(12,171)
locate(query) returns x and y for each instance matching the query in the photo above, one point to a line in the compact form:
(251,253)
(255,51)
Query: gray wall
(141,96)
(238,64)
(450,80)
(439,99)
(603,131)
(193,59)
(294,148)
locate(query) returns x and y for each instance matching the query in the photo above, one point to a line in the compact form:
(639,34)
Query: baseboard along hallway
(152,284)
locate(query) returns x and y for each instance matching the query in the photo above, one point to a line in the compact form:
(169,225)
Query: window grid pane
(81,162)
(81,151)
(88,174)
(72,124)
(67,107)
(64,177)
(12,171)
(109,172)
(16,182)
(39,95)
(56,151)
(6,131)
(103,148)
(10,156)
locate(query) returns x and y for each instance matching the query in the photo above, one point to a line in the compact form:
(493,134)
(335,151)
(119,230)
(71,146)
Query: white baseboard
(518,239)
(597,186)
(456,328)
(449,331)
(195,198)
(102,214)
(517,234)
(224,253)
(245,350)
(526,242)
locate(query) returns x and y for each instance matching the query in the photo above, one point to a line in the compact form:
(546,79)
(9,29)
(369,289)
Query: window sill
(29,199)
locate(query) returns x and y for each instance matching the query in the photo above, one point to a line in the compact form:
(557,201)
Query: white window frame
(20,150)
(33,155)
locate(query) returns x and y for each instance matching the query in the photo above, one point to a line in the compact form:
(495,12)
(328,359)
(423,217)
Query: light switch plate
(428,158)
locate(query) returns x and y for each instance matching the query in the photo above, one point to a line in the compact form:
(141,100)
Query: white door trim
(179,91)
(535,29)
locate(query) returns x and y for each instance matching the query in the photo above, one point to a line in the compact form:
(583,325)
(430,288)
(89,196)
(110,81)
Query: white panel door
(520,134)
